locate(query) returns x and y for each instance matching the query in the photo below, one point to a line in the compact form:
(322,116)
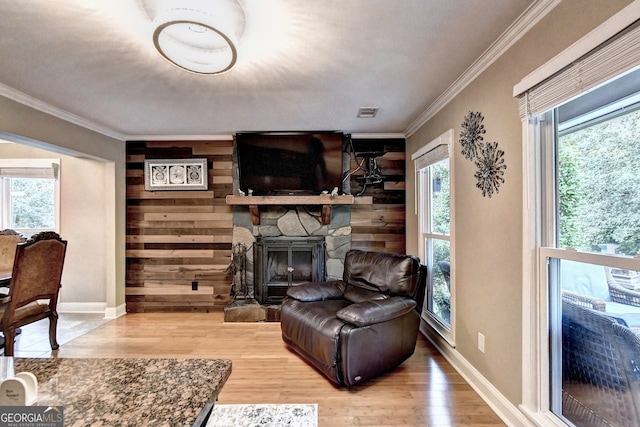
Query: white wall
(35,128)
(82,219)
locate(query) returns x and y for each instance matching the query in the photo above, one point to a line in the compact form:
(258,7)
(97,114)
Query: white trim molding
(531,16)
(221,137)
(535,295)
(515,32)
(36,104)
(508,412)
(92,307)
(115,312)
(377,135)
(81,307)
(586,44)
(437,150)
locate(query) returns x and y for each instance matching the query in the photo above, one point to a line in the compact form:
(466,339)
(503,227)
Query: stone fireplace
(323,243)
(281,262)
(320,221)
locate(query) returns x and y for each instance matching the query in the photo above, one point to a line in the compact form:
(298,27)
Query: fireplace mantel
(324,200)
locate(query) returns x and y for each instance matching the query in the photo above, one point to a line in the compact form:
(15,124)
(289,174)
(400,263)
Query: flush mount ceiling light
(197,40)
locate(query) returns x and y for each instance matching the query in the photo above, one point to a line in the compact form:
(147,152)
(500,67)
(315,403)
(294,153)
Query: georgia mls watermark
(31,416)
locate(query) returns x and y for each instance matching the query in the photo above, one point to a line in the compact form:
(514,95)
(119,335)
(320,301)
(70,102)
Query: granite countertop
(128,392)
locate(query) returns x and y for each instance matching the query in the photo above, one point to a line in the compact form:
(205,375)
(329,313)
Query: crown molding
(515,32)
(219,137)
(596,37)
(36,104)
(377,135)
(225,137)
(521,26)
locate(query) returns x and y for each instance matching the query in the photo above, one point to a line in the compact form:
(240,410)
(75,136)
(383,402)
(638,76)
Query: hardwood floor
(34,339)
(424,391)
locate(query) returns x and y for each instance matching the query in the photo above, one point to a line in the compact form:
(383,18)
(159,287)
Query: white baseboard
(508,412)
(114,312)
(92,307)
(81,307)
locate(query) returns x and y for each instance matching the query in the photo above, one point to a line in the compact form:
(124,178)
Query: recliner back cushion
(391,274)
(356,294)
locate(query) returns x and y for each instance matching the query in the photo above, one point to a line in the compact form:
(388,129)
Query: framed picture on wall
(175,174)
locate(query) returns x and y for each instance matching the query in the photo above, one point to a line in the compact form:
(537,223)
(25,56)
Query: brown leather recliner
(356,328)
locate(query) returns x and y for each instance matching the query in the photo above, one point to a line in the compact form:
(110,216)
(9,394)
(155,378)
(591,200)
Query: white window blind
(615,57)
(30,168)
(37,172)
(438,153)
(433,152)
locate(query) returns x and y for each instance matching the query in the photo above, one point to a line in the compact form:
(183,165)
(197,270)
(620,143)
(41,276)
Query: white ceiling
(302,65)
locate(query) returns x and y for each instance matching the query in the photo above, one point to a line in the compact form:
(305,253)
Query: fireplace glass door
(281,263)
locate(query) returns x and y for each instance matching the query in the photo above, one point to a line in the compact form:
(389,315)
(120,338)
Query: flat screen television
(290,163)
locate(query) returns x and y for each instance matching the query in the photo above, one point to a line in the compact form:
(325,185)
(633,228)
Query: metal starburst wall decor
(491,168)
(471,134)
(486,156)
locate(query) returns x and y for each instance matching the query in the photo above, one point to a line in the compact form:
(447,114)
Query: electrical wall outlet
(480,342)
(194,286)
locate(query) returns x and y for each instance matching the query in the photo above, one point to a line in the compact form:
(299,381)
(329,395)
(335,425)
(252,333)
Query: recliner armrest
(317,291)
(371,312)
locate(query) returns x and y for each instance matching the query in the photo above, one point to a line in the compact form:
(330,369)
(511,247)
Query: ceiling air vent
(367,112)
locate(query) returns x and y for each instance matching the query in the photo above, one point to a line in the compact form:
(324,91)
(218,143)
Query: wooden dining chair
(9,239)
(34,287)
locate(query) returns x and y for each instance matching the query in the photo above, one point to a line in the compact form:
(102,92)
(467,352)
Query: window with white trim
(580,234)
(590,234)
(29,195)
(433,191)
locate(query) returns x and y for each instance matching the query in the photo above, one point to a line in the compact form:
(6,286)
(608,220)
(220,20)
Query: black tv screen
(287,163)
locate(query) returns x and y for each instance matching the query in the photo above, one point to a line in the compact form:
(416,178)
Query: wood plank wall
(177,237)
(380,226)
